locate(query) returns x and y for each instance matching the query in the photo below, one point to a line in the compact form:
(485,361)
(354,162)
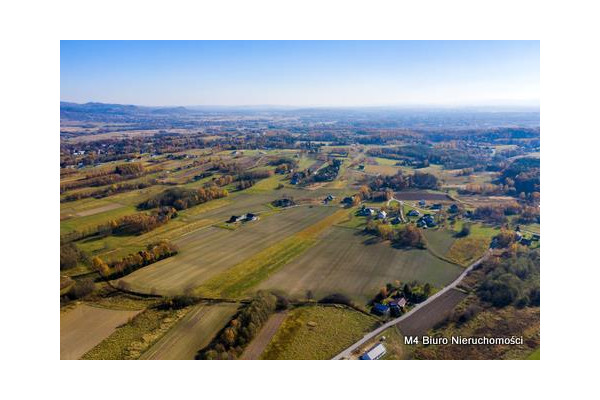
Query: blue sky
(301,73)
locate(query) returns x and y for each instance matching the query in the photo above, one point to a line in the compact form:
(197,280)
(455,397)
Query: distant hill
(89,110)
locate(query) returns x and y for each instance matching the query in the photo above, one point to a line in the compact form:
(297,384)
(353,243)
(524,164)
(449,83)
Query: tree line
(232,340)
(400,181)
(181,198)
(109,191)
(154,252)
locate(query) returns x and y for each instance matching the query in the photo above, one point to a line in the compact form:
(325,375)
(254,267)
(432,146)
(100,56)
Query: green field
(307,332)
(358,265)
(207,252)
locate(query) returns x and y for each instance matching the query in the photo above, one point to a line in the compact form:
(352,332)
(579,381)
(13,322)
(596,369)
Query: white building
(375,353)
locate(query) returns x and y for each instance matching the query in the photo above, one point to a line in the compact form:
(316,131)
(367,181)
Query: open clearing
(260,342)
(84,327)
(349,262)
(194,332)
(207,252)
(307,332)
(433,313)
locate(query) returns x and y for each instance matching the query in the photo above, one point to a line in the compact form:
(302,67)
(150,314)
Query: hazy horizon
(301,74)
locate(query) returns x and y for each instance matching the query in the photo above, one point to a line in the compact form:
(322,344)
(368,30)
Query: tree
(99,265)
(465,230)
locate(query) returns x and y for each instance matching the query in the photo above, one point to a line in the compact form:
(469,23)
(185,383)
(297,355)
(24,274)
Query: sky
(301,73)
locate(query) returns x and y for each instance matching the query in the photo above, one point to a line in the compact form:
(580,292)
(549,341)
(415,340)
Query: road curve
(346,353)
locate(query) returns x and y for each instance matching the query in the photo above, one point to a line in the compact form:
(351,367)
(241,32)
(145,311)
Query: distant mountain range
(377,117)
(117,109)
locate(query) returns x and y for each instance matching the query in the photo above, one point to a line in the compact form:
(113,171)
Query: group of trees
(81,288)
(139,223)
(232,340)
(407,236)
(154,252)
(504,239)
(181,198)
(70,256)
(244,180)
(284,165)
(498,214)
(457,156)
(511,279)
(523,174)
(328,173)
(400,181)
(414,292)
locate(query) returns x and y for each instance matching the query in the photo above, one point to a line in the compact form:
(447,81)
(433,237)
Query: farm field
(205,253)
(132,338)
(192,332)
(426,195)
(84,327)
(151,267)
(260,342)
(307,331)
(427,317)
(349,262)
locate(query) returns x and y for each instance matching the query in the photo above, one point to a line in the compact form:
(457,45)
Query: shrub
(81,289)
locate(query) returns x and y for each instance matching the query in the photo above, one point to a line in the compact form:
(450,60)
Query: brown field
(205,253)
(84,327)
(421,195)
(381,169)
(427,317)
(260,342)
(346,261)
(194,332)
(479,201)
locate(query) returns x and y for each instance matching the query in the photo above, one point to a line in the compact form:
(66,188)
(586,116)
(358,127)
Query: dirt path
(260,342)
(84,327)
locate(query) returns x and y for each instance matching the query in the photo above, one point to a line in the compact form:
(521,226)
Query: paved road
(346,353)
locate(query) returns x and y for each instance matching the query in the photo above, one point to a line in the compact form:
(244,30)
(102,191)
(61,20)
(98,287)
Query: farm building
(235,218)
(250,217)
(413,213)
(374,353)
(382,215)
(366,211)
(396,221)
(285,202)
(426,221)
